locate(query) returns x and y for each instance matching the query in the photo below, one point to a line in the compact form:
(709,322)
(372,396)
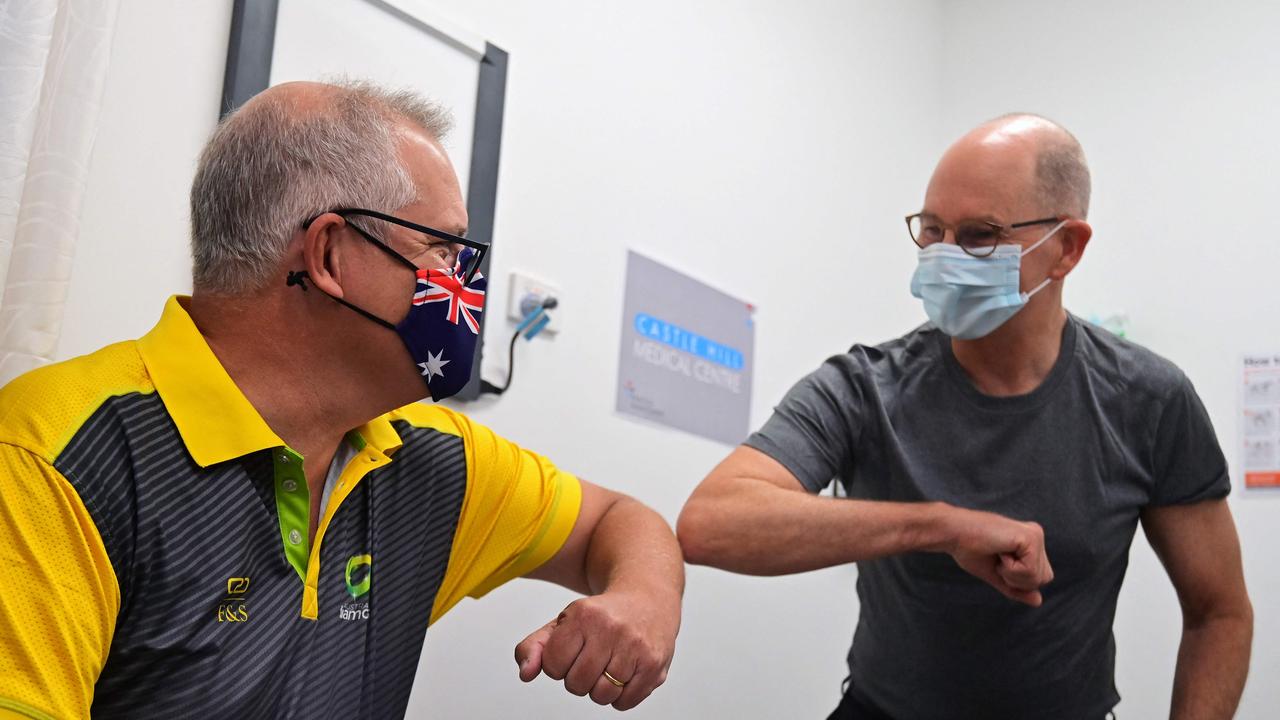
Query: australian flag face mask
(443,324)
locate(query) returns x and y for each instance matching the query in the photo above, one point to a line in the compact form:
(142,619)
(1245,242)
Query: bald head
(293,97)
(1047,160)
(1027,176)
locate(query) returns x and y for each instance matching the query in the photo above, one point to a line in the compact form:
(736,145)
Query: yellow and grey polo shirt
(154,559)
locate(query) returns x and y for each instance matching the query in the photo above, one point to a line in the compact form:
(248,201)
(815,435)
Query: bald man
(997,462)
(246,513)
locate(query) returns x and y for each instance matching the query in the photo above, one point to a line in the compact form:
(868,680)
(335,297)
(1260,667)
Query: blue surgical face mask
(968,297)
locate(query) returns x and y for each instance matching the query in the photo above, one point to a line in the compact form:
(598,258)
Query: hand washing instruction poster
(686,355)
(1260,422)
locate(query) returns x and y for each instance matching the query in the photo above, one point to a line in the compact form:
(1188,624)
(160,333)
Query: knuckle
(642,696)
(652,654)
(576,688)
(574,609)
(630,639)
(612,625)
(592,615)
(643,662)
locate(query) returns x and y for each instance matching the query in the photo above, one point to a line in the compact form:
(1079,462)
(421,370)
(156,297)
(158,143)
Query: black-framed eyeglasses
(472,263)
(978,238)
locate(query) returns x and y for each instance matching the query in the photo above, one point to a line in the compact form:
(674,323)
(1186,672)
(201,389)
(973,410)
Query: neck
(305,389)
(1017,357)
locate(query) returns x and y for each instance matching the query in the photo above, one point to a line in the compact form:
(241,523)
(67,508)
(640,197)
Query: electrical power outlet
(526,291)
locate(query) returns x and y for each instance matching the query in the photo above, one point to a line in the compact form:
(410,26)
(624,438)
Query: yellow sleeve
(517,513)
(58,592)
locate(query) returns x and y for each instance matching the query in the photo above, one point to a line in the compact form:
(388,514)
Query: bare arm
(751,515)
(623,556)
(1199,548)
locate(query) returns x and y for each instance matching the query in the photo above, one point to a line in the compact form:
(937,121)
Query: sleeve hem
(773,450)
(550,537)
(1218,489)
(21,709)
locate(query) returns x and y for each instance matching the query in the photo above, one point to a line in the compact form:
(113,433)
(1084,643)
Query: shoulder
(885,362)
(922,343)
(420,415)
(1126,365)
(42,410)
(422,425)
(69,418)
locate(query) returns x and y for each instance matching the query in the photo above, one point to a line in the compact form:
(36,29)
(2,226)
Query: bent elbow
(693,531)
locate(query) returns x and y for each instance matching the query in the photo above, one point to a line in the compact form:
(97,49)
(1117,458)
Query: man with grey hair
(1004,449)
(246,513)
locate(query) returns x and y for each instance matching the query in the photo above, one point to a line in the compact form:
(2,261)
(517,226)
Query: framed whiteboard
(399,43)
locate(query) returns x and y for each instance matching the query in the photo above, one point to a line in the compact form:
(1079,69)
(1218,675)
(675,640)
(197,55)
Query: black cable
(489,388)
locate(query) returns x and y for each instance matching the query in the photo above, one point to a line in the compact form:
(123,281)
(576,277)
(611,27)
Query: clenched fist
(627,635)
(1008,555)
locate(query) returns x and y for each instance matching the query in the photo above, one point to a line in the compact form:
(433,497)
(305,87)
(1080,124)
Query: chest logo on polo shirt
(358,576)
(233,607)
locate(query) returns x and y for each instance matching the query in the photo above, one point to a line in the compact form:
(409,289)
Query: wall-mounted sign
(686,355)
(1260,421)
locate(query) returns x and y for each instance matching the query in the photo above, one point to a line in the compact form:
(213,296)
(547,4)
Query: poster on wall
(686,355)
(1260,421)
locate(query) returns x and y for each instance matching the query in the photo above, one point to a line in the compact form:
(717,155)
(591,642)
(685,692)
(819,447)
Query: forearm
(617,642)
(760,529)
(634,550)
(1213,662)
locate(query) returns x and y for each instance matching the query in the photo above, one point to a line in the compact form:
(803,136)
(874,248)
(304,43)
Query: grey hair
(1062,176)
(273,164)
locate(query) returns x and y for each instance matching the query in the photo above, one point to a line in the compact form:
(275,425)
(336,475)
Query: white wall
(160,103)
(1176,105)
(738,141)
(765,147)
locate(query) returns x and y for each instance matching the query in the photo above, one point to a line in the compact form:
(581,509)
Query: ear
(1075,236)
(320,253)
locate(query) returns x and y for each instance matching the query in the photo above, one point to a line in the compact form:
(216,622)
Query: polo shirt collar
(380,435)
(216,421)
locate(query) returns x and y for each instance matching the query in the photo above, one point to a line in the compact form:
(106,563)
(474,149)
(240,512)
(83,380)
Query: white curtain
(53,65)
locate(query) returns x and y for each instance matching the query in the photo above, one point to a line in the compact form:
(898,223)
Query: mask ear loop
(1046,237)
(1027,295)
(300,278)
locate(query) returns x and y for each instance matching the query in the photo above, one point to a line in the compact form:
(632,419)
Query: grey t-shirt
(1113,429)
